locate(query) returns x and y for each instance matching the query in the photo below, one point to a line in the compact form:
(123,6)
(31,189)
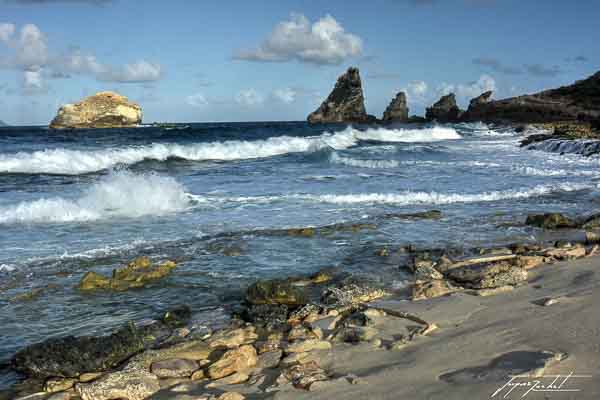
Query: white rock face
(102,110)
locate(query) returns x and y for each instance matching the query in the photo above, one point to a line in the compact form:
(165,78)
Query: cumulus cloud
(417,88)
(286,95)
(469,90)
(538,70)
(196,100)
(249,98)
(322,42)
(31,56)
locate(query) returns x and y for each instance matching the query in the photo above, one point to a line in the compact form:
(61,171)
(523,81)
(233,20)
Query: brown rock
(102,110)
(307,345)
(235,360)
(430,289)
(233,338)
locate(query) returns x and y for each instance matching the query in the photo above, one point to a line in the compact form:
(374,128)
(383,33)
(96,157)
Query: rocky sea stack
(397,111)
(576,102)
(445,110)
(102,110)
(346,103)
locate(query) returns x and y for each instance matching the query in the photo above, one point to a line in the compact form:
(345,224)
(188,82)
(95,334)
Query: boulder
(132,383)
(550,221)
(71,356)
(576,102)
(302,376)
(232,338)
(136,274)
(235,360)
(487,275)
(174,368)
(102,110)
(351,294)
(345,103)
(430,289)
(445,110)
(276,292)
(397,110)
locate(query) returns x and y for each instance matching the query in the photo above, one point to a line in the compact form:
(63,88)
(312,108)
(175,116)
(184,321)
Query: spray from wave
(120,194)
(75,162)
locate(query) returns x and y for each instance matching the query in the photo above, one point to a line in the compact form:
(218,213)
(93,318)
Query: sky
(204,61)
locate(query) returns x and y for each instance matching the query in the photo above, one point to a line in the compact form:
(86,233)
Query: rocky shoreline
(282,336)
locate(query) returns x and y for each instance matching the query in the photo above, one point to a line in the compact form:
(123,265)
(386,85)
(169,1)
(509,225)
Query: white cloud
(469,90)
(417,88)
(196,100)
(33,80)
(323,42)
(287,95)
(140,71)
(6,31)
(33,58)
(249,98)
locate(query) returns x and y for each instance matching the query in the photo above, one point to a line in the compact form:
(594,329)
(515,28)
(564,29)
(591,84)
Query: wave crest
(75,162)
(121,194)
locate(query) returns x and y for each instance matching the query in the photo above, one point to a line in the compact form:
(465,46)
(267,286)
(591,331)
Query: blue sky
(277,60)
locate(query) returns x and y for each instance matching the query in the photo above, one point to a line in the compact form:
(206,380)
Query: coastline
(458,345)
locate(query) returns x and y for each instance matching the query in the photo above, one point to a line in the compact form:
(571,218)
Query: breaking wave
(354,162)
(120,194)
(75,162)
(404,198)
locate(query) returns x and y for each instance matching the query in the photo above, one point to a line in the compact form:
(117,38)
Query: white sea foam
(355,162)
(532,171)
(120,194)
(74,162)
(404,198)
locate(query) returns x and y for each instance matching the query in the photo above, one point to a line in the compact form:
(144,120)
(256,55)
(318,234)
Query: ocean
(204,194)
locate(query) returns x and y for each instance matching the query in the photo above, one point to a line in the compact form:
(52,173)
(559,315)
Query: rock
(592,222)
(445,110)
(424,272)
(484,98)
(356,334)
(235,360)
(232,338)
(576,102)
(90,376)
(430,289)
(322,276)
(136,274)
(397,110)
(550,221)
(345,103)
(269,360)
(178,316)
(351,294)
(71,356)
(276,292)
(302,346)
(299,315)
(132,383)
(233,379)
(271,316)
(566,253)
(231,396)
(102,110)
(486,275)
(174,368)
(530,262)
(302,376)
(54,385)
(415,119)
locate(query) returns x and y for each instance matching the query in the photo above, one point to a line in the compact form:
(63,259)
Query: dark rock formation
(445,110)
(550,221)
(276,292)
(102,110)
(577,102)
(416,119)
(397,111)
(483,98)
(71,356)
(345,103)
